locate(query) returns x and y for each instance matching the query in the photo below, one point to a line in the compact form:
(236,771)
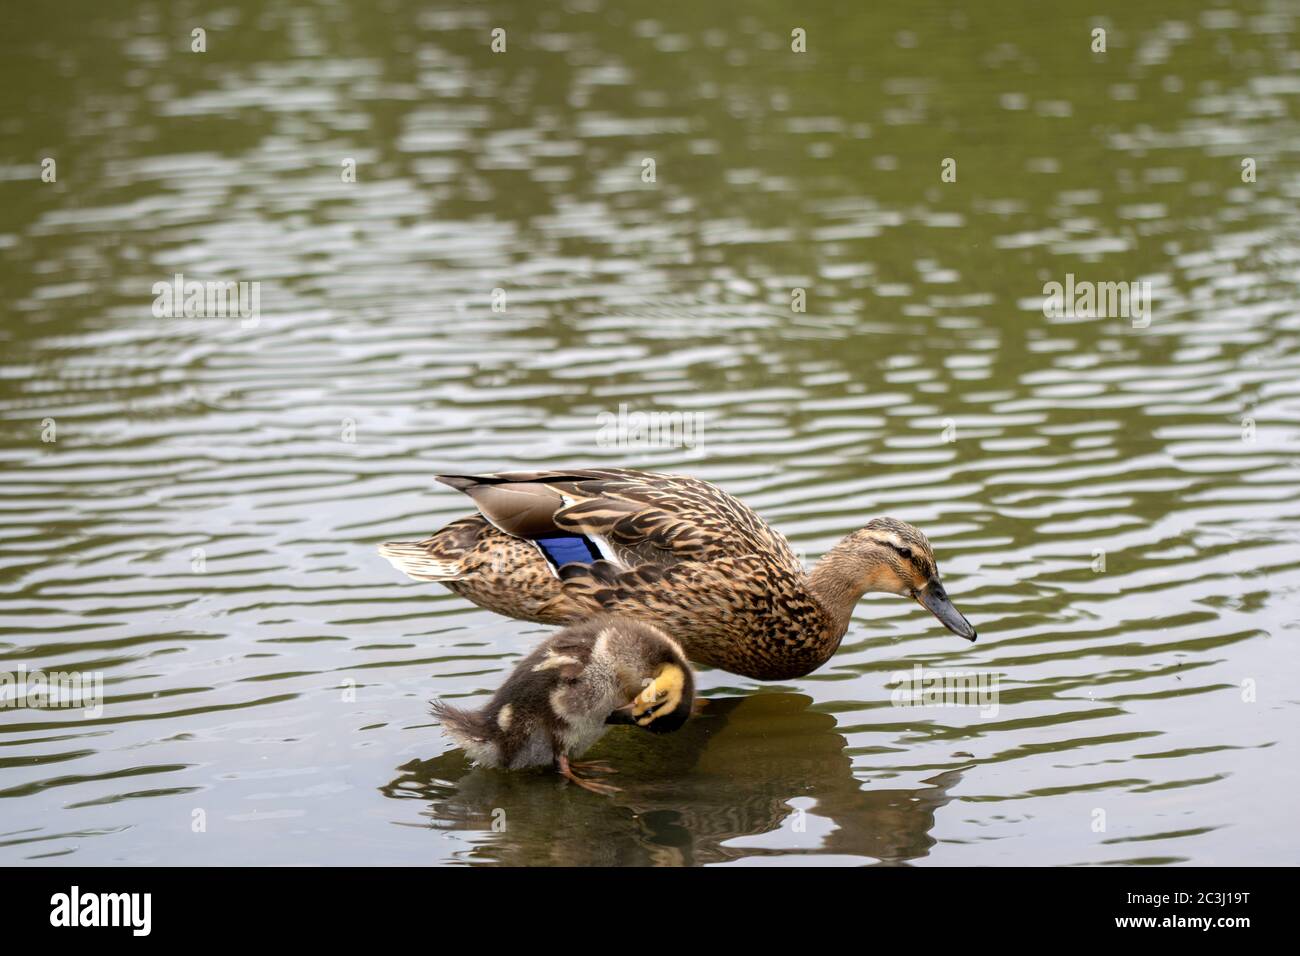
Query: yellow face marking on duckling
(661,696)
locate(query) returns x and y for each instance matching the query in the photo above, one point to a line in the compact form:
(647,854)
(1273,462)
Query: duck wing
(632,517)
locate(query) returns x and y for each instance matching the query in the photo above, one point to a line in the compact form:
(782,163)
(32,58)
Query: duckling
(557,702)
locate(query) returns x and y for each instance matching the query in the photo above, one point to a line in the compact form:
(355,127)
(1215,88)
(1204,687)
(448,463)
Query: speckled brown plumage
(678,552)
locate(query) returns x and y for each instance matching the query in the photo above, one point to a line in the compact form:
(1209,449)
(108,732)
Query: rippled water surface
(1114,503)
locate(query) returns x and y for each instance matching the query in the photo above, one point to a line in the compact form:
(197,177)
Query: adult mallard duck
(558,700)
(678,552)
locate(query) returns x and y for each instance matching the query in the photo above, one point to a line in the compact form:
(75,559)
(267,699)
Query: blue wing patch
(568,548)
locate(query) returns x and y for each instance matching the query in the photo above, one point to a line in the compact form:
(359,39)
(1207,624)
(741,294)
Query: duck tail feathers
(413,559)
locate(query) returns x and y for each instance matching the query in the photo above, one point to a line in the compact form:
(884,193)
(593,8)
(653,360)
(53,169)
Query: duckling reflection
(727,786)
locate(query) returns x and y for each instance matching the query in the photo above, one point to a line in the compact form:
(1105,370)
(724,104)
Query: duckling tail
(413,558)
(468,728)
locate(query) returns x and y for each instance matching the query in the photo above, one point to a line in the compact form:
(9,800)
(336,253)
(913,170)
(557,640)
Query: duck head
(891,556)
(664,704)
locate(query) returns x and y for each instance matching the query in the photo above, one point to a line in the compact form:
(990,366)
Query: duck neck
(838,582)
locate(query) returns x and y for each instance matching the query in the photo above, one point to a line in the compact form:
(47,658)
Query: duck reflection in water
(755,776)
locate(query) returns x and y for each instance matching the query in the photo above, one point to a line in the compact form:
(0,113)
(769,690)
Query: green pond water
(189,506)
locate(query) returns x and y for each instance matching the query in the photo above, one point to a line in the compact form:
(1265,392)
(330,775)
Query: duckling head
(664,704)
(895,557)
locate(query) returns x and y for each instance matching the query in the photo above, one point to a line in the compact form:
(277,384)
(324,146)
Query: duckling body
(560,699)
(674,551)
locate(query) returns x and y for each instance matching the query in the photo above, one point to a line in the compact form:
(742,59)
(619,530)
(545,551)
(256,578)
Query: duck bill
(622,715)
(934,599)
